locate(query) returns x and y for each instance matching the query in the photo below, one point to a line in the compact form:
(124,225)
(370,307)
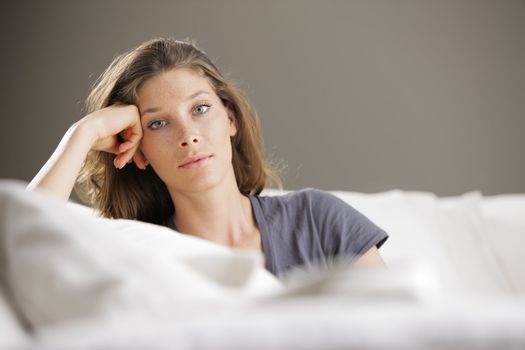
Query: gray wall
(353,95)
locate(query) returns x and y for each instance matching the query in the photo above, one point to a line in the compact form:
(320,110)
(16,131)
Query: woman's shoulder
(306,196)
(287,194)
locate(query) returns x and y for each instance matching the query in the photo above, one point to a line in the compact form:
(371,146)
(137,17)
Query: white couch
(72,280)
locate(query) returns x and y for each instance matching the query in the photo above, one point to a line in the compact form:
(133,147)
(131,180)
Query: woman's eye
(157,124)
(201,109)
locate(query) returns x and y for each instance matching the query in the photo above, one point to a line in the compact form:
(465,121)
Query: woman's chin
(197,184)
(200,180)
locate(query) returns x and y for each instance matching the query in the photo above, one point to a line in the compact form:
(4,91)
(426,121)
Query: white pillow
(228,266)
(13,335)
(411,237)
(505,229)
(461,231)
(444,233)
(163,240)
(63,265)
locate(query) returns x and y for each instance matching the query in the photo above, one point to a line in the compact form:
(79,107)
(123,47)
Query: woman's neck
(221,214)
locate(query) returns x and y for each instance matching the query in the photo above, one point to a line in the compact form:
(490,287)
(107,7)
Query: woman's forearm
(59,173)
(97,131)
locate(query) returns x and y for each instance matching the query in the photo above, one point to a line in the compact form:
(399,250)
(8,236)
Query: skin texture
(207,199)
(371,258)
(183,128)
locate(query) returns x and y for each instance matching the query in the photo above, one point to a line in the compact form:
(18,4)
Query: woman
(168,140)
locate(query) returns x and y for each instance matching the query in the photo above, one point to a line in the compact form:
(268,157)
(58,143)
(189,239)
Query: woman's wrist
(85,131)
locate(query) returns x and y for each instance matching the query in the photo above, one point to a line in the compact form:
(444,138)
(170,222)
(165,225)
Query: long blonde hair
(131,193)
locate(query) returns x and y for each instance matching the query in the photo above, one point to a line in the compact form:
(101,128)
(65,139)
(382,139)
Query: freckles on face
(181,116)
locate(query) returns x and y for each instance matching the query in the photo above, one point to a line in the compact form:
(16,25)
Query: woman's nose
(188,138)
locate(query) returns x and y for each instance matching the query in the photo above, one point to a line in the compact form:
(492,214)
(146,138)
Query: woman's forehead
(179,80)
(179,84)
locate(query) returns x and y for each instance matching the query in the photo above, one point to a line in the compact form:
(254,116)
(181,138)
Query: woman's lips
(196,164)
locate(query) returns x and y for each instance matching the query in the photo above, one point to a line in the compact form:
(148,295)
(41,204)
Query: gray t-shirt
(310,227)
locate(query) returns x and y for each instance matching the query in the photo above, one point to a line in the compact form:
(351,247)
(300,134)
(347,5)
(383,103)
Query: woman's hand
(109,124)
(96,131)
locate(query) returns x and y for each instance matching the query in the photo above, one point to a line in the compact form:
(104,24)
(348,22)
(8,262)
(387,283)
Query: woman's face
(182,117)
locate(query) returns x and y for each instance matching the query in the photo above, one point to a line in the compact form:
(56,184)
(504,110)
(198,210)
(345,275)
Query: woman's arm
(97,131)
(59,173)
(371,258)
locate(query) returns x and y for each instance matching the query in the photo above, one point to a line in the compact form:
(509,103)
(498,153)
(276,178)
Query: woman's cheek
(162,145)
(147,148)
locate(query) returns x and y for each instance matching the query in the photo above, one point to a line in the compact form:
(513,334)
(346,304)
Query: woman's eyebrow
(195,94)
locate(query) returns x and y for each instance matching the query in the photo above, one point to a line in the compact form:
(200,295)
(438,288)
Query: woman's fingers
(140,160)
(129,147)
(118,162)
(125,146)
(129,155)
(123,158)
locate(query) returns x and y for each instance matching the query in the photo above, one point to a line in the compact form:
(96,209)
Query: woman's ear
(233,122)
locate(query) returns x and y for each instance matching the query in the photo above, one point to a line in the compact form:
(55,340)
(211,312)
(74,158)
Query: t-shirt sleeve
(343,230)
